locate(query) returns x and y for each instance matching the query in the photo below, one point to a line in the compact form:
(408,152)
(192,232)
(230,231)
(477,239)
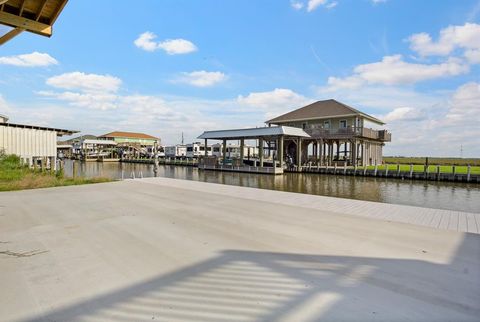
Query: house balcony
(349,133)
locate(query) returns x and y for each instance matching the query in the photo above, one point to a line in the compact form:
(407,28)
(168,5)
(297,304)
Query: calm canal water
(443,195)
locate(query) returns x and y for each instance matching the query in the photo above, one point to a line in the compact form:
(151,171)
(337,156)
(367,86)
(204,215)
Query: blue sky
(172,66)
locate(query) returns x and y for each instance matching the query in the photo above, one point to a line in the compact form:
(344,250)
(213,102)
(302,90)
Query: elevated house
(132,144)
(339,134)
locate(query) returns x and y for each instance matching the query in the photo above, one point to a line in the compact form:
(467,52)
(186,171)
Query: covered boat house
(269,139)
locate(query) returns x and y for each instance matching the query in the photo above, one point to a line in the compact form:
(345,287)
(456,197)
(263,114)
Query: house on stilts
(338,134)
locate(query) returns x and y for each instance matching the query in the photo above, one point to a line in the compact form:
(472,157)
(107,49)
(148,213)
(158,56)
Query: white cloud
(34,59)
(393,70)
(331,5)
(297,5)
(314,4)
(404,114)
(473,56)
(201,78)
(451,38)
(275,102)
(465,106)
(378,1)
(85,82)
(146,41)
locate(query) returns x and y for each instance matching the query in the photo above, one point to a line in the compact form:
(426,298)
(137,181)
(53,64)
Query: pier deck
(165,249)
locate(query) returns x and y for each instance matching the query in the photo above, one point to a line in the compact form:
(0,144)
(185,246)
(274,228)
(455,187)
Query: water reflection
(444,195)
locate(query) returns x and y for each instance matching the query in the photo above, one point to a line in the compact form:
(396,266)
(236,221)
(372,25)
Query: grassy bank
(15,176)
(433,161)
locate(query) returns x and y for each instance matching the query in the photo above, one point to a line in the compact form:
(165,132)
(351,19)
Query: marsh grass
(16,176)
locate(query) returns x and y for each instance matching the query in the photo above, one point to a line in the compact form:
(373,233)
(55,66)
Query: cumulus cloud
(201,78)
(465,105)
(297,5)
(274,102)
(404,114)
(146,41)
(34,59)
(450,38)
(393,70)
(85,82)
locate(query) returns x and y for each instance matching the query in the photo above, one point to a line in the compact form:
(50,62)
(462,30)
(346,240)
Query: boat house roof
(322,110)
(254,133)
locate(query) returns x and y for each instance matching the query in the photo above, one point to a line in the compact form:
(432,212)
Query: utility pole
(182,138)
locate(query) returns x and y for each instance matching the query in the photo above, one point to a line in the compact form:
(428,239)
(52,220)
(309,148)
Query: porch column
(206,152)
(299,154)
(260,151)
(242,152)
(338,150)
(224,151)
(280,151)
(320,150)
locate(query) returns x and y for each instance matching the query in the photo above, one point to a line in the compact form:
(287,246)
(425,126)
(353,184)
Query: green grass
(433,161)
(15,176)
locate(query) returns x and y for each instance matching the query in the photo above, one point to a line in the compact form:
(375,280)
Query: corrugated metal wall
(28,143)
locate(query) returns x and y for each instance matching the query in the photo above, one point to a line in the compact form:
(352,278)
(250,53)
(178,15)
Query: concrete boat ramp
(171,250)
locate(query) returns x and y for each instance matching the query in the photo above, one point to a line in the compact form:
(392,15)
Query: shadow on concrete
(241,285)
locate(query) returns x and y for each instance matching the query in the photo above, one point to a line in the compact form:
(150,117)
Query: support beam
(280,151)
(299,154)
(224,152)
(260,151)
(242,150)
(24,23)
(11,34)
(41,10)
(206,148)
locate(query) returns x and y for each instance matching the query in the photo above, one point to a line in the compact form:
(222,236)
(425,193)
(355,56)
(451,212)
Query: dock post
(438,172)
(411,171)
(299,154)
(345,167)
(260,151)
(335,168)
(133,175)
(73,169)
(364,170)
(355,169)
(376,169)
(398,169)
(280,151)
(386,170)
(224,152)
(468,173)
(453,172)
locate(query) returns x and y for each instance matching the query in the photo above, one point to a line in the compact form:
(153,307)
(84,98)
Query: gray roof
(321,110)
(253,133)
(60,132)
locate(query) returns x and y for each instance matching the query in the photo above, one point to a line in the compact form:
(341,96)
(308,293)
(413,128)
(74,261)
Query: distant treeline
(433,161)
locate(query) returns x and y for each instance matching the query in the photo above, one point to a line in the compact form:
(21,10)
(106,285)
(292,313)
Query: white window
(326,124)
(343,124)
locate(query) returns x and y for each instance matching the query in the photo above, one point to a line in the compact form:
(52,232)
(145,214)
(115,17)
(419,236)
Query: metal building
(33,144)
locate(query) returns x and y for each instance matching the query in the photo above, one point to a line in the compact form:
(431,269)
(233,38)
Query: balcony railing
(349,132)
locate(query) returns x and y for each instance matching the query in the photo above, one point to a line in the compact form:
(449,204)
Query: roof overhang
(60,132)
(368,117)
(98,142)
(36,16)
(254,133)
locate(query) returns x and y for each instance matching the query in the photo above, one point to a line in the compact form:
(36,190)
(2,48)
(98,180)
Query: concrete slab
(176,250)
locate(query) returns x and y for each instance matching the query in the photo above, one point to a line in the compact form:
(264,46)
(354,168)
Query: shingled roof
(321,109)
(130,135)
